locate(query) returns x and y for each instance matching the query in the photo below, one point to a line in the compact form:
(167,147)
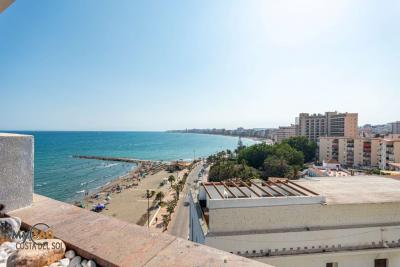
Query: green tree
(224,170)
(288,153)
(171,179)
(171,206)
(159,196)
(255,155)
(303,144)
(276,167)
(166,219)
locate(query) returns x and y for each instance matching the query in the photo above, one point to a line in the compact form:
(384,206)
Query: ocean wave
(80,192)
(108,165)
(88,182)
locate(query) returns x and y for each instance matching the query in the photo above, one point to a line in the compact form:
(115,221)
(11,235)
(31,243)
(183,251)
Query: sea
(61,176)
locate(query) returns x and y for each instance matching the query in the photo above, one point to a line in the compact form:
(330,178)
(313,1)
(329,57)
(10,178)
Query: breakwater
(129,160)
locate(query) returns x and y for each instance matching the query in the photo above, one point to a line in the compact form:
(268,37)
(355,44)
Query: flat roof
(255,189)
(354,189)
(256,193)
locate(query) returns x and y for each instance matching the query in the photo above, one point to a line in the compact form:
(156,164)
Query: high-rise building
(394,127)
(315,126)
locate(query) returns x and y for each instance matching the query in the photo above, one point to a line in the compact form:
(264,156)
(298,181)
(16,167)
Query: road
(179,225)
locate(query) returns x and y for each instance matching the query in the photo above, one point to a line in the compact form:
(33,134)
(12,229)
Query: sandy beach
(125,197)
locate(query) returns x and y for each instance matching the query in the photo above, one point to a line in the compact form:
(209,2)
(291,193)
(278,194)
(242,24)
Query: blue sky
(156,65)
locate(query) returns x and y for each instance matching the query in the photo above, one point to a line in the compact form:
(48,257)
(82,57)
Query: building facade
(315,126)
(394,127)
(285,132)
(335,221)
(360,151)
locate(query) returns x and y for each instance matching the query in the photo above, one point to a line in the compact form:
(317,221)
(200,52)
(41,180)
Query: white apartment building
(361,151)
(336,221)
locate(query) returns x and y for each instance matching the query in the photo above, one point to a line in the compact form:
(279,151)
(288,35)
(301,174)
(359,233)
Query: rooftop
(274,192)
(255,189)
(111,242)
(355,189)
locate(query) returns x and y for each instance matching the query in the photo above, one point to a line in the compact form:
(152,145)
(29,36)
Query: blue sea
(60,176)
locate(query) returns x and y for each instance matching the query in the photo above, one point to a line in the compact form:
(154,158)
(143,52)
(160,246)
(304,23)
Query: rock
(75,262)
(43,252)
(91,263)
(9,227)
(70,254)
(65,262)
(55,264)
(8,252)
(8,246)
(84,262)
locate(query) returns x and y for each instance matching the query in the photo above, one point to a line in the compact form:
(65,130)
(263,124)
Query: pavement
(179,225)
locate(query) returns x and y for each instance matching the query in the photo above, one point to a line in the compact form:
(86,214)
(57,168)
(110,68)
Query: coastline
(125,197)
(252,138)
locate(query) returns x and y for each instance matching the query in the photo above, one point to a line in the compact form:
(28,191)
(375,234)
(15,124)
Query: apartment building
(315,126)
(360,151)
(394,127)
(390,153)
(285,132)
(335,221)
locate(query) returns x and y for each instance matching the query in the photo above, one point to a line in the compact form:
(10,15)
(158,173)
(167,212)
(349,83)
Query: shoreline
(257,139)
(125,197)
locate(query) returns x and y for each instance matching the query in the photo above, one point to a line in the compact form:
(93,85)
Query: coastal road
(179,225)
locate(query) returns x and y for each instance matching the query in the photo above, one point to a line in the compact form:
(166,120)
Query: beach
(125,198)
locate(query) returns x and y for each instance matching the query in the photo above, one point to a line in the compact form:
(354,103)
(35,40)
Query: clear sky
(157,65)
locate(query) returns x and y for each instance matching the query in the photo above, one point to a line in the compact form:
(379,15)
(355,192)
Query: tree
(255,155)
(171,206)
(181,184)
(159,196)
(303,144)
(177,188)
(224,170)
(171,179)
(288,153)
(276,167)
(166,218)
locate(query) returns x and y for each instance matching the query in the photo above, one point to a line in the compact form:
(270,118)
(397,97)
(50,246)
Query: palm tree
(170,207)
(165,218)
(171,179)
(176,187)
(181,184)
(159,196)
(296,171)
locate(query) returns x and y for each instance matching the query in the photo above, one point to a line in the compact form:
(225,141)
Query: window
(381,263)
(332,264)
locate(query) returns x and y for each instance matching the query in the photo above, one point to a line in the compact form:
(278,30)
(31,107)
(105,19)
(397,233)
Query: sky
(159,65)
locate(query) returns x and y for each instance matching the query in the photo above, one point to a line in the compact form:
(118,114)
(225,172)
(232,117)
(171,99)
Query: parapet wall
(16,170)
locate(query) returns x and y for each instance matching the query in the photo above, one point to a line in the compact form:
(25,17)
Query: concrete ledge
(16,170)
(111,242)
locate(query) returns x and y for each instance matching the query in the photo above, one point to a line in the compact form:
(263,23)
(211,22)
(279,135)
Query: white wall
(301,216)
(195,229)
(305,241)
(363,258)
